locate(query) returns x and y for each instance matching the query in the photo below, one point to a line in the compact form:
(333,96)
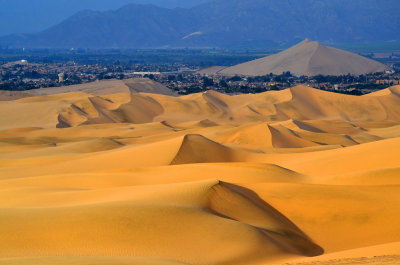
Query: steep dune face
(134,178)
(198,149)
(257,135)
(145,85)
(286,138)
(243,205)
(140,109)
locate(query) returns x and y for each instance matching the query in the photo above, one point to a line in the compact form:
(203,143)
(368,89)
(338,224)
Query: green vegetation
(127,58)
(370,47)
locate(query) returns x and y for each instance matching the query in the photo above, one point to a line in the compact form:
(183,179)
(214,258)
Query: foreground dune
(106,175)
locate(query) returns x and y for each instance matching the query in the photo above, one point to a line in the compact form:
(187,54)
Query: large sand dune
(107,175)
(308,58)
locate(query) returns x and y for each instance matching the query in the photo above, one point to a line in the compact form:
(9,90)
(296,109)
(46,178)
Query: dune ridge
(300,103)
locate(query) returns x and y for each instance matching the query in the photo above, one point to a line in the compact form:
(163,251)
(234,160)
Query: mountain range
(222,23)
(32,16)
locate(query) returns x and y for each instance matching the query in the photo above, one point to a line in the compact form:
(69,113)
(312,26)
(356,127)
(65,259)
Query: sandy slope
(299,176)
(103,87)
(386,254)
(306,58)
(90,260)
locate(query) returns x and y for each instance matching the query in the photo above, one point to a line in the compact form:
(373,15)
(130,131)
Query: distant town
(185,78)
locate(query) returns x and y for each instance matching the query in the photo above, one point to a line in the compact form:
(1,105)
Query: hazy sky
(27,16)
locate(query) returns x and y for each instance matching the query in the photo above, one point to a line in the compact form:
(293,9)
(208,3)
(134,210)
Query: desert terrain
(108,174)
(308,58)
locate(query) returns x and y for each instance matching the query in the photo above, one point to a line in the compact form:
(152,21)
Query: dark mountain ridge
(32,16)
(222,23)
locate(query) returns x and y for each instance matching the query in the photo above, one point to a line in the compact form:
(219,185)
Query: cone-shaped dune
(198,149)
(108,174)
(308,58)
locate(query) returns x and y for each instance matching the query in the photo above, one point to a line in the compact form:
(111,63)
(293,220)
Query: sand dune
(286,138)
(145,85)
(198,149)
(375,155)
(111,175)
(103,87)
(257,135)
(299,103)
(243,205)
(306,58)
(165,225)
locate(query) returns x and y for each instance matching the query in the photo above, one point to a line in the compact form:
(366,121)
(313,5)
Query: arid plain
(107,176)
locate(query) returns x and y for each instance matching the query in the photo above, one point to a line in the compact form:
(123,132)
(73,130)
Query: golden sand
(298,176)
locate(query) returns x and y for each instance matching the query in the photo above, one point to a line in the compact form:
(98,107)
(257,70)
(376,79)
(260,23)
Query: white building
(61,77)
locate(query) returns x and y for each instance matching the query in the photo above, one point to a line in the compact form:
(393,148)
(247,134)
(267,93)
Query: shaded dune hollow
(245,206)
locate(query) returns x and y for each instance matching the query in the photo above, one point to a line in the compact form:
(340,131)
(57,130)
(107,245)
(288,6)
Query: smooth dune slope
(307,58)
(90,260)
(103,87)
(107,174)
